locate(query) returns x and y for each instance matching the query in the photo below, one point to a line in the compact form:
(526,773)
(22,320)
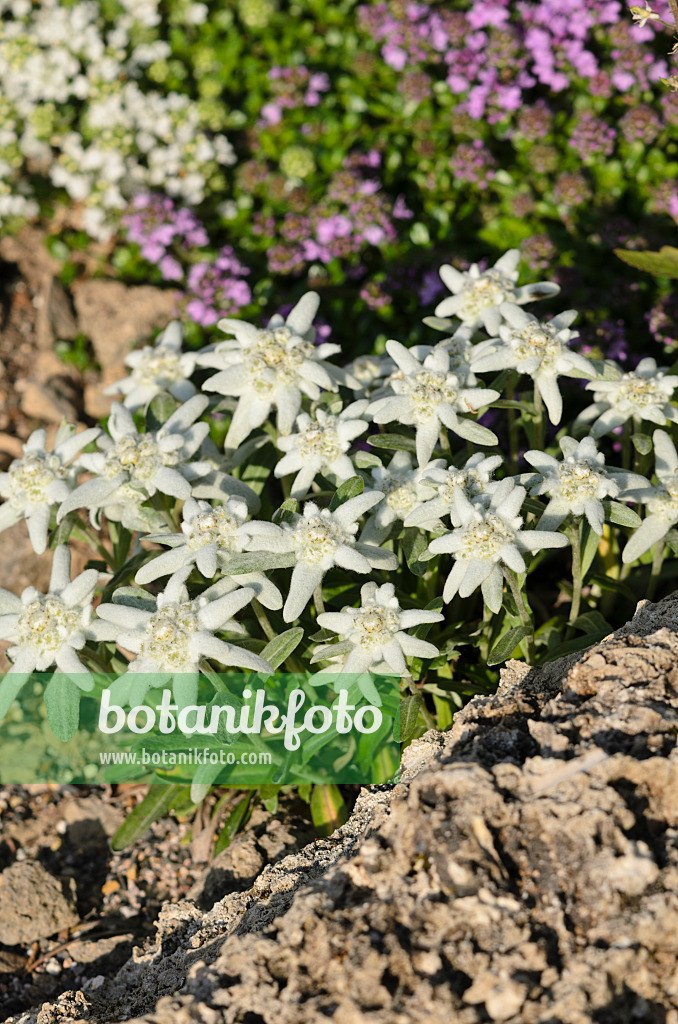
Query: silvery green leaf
(365,460)
(642,443)
(258,561)
(280,647)
(62,703)
(134,597)
(159,410)
(621,515)
(394,442)
(351,488)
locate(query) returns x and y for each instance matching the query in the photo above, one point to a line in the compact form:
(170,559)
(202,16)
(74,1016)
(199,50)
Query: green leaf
(269,797)
(366,460)
(507,643)
(661,264)
(642,443)
(234,823)
(304,791)
(414,544)
(9,690)
(280,647)
(257,561)
(287,510)
(394,442)
(589,548)
(621,515)
(62,703)
(593,622)
(476,433)
(509,403)
(351,488)
(63,530)
(134,597)
(444,711)
(159,410)
(328,809)
(158,801)
(409,716)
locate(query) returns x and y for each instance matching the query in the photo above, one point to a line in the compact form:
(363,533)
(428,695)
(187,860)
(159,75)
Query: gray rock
(33,904)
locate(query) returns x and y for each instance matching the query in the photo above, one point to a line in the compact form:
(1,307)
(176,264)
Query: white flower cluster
(194,510)
(72,108)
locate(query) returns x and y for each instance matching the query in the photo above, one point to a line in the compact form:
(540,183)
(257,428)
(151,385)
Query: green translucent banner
(237,730)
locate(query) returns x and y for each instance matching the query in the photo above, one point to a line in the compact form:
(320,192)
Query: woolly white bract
(577,484)
(473,480)
(487,539)
(162,367)
(539,348)
(642,394)
(478,295)
(271,368)
(49,629)
(429,396)
(374,636)
(131,466)
(321,539)
(320,446)
(661,500)
(37,483)
(405,489)
(171,640)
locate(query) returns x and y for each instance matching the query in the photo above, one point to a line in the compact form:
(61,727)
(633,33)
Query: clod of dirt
(34,904)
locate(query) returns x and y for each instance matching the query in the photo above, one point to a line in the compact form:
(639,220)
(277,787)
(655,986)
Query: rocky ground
(525,870)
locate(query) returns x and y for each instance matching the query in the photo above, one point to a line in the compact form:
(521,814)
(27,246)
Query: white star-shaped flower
(473,479)
(49,629)
(209,537)
(374,636)
(321,539)
(271,368)
(536,347)
(478,295)
(577,484)
(429,396)
(131,467)
(320,446)
(641,394)
(642,15)
(156,368)
(661,500)
(487,539)
(171,640)
(39,481)
(405,489)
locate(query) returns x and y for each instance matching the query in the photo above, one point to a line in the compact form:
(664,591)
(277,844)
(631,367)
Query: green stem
(429,720)
(90,536)
(262,619)
(539,419)
(513,426)
(523,611)
(577,579)
(657,559)
(626,445)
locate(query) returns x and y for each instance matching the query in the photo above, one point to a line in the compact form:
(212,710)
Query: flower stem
(523,611)
(318,600)
(538,419)
(429,720)
(626,445)
(513,426)
(262,619)
(657,559)
(577,579)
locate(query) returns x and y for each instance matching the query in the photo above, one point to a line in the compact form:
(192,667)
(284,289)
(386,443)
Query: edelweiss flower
(474,480)
(486,539)
(538,348)
(271,368)
(131,467)
(40,480)
(477,295)
(320,446)
(578,483)
(156,368)
(368,373)
(172,639)
(48,629)
(428,396)
(374,635)
(404,490)
(320,539)
(209,537)
(644,394)
(661,500)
